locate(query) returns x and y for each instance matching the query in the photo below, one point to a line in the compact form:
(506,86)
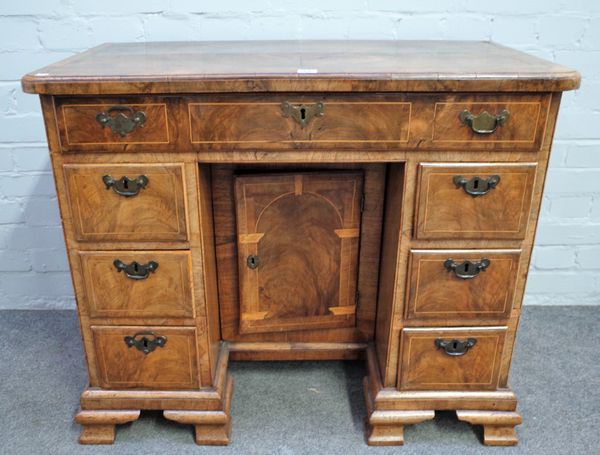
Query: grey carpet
(297,408)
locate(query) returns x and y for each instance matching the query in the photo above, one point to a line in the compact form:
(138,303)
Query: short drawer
(449,286)
(146,357)
(127,202)
(474,201)
(85,124)
(128,284)
(307,121)
(451,359)
(490,121)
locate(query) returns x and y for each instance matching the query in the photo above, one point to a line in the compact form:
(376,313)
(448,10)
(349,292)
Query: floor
(298,408)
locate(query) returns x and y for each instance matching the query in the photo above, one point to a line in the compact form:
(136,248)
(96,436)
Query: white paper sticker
(307,71)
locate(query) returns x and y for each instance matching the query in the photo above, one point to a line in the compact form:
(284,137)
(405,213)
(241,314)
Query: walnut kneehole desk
(300,200)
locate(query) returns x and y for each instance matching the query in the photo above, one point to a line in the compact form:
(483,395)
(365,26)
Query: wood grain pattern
(346,122)
(333,66)
(81,127)
(437,296)
(157,213)
(207,398)
(446,211)
(425,366)
(172,366)
(166,293)
(523,129)
(305,229)
(227,257)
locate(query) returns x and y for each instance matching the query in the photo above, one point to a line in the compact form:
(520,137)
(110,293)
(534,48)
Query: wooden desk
(300,200)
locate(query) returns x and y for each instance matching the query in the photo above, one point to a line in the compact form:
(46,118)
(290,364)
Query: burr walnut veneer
(299,200)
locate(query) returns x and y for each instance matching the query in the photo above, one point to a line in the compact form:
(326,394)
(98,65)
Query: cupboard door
(298,241)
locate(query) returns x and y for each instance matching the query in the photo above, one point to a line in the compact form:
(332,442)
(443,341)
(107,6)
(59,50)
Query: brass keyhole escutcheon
(253,261)
(302,113)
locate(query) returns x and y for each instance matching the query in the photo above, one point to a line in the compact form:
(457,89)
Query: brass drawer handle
(123,122)
(484,123)
(145,342)
(302,113)
(467,269)
(125,186)
(455,347)
(477,186)
(136,271)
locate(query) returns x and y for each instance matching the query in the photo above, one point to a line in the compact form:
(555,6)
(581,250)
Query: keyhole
(303,113)
(145,342)
(125,184)
(475,184)
(135,267)
(455,345)
(467,266)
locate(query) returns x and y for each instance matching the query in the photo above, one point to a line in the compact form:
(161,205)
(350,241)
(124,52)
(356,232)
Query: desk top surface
(260,66)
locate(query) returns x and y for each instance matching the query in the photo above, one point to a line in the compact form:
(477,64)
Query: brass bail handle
(125,186)
(135,270)
(467,269)
(122,120)
(455,347)
(484,123)
(145,342)
(476,186)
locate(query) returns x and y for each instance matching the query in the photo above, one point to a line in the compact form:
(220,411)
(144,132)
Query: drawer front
(128,284)
(308,121)
(451,359)
(490,121)
(474,201)
(127,202)
(170,365)
(85,124)
(448,286)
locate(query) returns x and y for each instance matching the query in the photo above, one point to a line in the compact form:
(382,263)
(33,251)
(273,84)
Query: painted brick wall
(33,33)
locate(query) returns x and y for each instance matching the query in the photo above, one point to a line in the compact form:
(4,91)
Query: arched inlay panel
(298,242)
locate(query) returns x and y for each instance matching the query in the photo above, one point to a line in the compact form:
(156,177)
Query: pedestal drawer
(128,284)
(127,202)
(146,357)
(450,286)
(481,201)
(451,359)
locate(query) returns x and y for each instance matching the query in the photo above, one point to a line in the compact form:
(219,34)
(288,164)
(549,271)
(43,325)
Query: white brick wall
(33,33)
